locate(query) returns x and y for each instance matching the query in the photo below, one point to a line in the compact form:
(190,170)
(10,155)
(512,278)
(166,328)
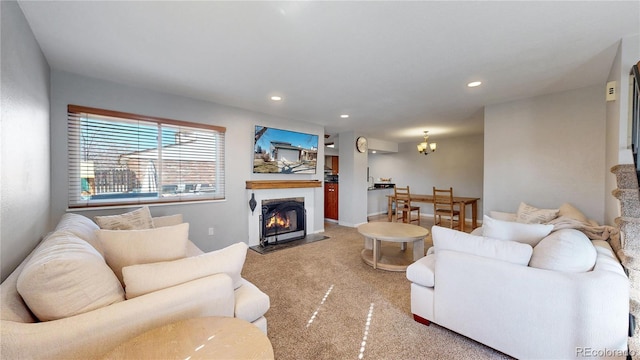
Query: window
(118,158)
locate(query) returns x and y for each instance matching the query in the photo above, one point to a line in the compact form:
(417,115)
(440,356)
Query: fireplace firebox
(282,220)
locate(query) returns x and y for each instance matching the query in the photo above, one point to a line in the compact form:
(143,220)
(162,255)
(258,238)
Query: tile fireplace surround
(277,189)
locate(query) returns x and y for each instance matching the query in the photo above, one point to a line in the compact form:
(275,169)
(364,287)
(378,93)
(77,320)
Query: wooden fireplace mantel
(282,184)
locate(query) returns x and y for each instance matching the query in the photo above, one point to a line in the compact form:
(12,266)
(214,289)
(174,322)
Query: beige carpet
(329,279)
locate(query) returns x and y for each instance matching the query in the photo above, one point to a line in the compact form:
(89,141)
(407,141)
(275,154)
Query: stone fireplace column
(628,246)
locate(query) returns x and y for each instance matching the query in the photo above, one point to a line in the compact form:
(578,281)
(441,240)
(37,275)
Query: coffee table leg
(376,251)
(368,243)
(418,249)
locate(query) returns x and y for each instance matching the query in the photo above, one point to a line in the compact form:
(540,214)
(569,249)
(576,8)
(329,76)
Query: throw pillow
(564,250)
(514,231)
(528,214)
(146,278)
(134,220)
(168,220)
(510,251)
(570,211)
(67,276)
(503,216)
(129,247)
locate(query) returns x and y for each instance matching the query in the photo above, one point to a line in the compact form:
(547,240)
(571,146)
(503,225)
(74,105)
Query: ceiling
(397,68)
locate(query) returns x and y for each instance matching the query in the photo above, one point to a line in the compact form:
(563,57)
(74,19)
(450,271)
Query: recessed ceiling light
(344,116)
(474,83)
(276,98)
(373,151)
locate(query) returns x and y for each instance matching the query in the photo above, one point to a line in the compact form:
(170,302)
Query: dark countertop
(384,185)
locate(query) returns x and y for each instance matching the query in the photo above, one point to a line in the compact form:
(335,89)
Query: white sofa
(484,289)
(94,332)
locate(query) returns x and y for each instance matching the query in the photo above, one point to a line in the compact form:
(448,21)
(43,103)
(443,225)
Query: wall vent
(611,91)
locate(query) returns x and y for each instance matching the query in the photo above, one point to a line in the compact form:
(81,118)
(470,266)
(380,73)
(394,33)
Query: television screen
(280,151)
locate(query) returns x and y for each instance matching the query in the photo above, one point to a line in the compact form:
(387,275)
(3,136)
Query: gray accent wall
(545,151)
(24,139)
(229,217)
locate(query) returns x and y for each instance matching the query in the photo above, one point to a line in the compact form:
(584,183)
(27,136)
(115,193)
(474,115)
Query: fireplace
(282,220)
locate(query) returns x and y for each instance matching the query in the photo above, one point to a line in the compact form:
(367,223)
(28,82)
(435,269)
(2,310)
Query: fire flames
(278,221)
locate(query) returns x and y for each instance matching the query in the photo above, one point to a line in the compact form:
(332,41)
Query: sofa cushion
(130,247)
(169,220)
(568,210)
(606,260)
(564,250)
(514,231)
(67,276)
(422,272)
(503,216)
(139,219)
(510,251)
(146,278)
(82,227)
(528,214)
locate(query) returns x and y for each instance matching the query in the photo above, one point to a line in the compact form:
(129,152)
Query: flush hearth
(282,220)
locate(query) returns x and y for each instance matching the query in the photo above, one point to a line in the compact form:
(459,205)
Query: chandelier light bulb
(425,147)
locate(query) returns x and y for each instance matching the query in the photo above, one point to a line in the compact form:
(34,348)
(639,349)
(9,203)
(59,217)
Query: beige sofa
(95,330)
(558,296)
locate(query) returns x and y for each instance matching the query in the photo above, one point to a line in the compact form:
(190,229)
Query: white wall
(618,134)
(458,162)
(352,189)
(545,151)
(24,139)
(228,217)
(382,145)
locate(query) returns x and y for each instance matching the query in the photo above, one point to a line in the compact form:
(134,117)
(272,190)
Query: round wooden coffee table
(198,338)
(376,232)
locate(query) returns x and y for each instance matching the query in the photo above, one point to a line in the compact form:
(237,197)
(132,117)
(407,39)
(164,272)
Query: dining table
(462,202)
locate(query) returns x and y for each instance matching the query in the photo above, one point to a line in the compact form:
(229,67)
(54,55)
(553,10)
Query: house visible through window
(120,158)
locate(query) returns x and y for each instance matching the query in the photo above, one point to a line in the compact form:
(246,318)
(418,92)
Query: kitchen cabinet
(332,164)
(331,200)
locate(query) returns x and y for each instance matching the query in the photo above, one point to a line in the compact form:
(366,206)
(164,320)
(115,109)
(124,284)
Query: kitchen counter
(382,185)
(377,200)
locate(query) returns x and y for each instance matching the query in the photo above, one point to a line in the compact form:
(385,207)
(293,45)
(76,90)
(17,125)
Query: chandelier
(426,148)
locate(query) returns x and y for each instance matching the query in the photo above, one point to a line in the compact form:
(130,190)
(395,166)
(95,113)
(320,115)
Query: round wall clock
(361,144)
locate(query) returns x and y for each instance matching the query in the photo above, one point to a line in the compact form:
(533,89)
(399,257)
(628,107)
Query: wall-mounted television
(278,151)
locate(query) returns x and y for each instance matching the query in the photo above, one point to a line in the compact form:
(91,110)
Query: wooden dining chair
(403,204)
(443,206)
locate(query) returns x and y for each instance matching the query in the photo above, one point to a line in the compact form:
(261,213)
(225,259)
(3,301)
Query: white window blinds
(120,158)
